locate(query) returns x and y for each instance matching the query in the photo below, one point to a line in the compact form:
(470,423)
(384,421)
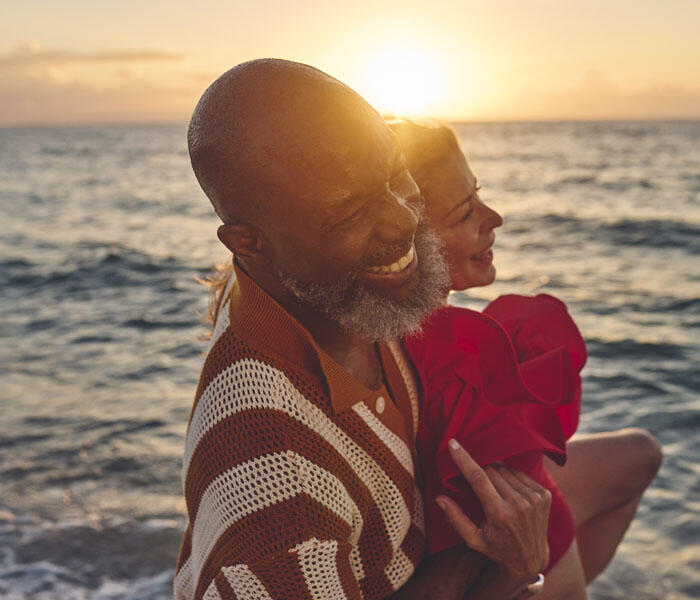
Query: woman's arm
(514,538)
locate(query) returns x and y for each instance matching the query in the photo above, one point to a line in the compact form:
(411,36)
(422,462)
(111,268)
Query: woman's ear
(243,240)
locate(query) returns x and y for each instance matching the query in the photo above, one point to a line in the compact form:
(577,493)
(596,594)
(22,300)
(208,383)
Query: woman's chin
(464,281)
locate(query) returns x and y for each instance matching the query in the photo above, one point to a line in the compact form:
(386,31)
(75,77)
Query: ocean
(104,232)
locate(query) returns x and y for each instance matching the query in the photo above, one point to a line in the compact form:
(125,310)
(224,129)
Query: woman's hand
(516,509)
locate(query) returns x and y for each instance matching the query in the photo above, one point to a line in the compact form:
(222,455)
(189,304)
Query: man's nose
(396,220)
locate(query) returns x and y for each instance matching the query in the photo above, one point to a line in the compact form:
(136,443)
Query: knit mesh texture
(285,498)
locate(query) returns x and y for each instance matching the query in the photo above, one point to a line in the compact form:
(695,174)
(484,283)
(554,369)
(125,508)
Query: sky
(109,61)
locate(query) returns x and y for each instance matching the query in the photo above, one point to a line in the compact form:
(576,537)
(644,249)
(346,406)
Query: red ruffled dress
(505,383)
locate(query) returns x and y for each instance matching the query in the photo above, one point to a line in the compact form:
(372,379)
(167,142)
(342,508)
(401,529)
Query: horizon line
(155,122)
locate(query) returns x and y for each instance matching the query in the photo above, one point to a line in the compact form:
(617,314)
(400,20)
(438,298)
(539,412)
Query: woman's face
(463,222)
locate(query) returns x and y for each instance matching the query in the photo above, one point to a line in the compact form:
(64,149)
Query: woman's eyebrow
(466,200)
(474,191)
(456,207)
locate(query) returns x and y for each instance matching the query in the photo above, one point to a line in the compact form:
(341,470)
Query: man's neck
(355,354)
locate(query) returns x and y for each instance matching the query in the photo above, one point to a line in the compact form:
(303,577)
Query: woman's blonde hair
(426,144)
(217,282)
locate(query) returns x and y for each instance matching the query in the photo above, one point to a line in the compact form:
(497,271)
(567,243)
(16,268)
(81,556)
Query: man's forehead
(353,176)
(336,166)
(269,131)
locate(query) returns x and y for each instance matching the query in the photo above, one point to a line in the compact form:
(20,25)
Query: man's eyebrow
(343,208)
(348,204)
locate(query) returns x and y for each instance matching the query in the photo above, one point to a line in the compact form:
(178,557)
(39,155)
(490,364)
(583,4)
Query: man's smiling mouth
(395,267)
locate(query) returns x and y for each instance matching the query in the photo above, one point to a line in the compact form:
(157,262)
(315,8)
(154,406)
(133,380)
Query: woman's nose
(490,219)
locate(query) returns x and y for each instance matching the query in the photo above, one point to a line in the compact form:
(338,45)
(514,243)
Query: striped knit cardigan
(299,482)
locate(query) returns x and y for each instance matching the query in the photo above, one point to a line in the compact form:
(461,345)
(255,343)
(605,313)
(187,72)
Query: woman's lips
(484,258)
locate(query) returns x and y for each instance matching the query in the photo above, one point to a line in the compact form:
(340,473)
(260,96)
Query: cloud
(26,100)
(29,55)
(61,86)
(40,86)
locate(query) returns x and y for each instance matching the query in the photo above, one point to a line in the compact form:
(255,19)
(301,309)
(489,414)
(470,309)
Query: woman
(505,384)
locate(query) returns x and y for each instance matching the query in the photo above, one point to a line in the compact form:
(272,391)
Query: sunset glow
(403,81)
(149,61)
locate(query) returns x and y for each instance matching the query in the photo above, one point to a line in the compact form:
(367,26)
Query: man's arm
(504,555)
(460,573)
(445,575)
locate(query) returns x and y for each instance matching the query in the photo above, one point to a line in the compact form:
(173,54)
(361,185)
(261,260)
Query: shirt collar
(259,320)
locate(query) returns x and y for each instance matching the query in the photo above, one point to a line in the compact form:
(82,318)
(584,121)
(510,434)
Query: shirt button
(379,405)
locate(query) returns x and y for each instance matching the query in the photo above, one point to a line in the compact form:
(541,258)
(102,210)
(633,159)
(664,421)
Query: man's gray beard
(372,315)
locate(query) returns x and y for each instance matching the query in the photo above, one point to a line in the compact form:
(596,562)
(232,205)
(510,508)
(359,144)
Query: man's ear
(243,240)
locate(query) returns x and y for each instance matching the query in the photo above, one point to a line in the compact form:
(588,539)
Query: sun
(403,81)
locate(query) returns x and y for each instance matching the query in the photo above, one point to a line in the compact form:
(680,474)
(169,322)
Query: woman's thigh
(604,470)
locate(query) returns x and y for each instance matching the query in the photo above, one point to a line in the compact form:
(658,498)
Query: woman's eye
(470,202)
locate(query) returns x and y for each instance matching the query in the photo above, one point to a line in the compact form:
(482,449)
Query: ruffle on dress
(535,326)
(504,383)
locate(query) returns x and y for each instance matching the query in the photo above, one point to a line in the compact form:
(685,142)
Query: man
(299,462)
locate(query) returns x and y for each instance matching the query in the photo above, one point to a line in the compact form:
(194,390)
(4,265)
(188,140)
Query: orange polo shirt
(299,480)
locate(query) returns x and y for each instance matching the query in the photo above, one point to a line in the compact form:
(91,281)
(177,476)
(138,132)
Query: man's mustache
(379,256)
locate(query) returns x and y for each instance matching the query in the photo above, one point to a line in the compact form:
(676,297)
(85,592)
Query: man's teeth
(399,265)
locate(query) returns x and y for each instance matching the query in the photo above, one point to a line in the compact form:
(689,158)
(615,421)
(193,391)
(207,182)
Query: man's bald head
(318,206)
(265,124)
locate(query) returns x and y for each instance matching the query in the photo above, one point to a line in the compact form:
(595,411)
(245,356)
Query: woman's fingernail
(441,503)
(454,444)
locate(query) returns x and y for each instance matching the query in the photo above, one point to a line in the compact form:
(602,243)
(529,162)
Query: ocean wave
(652,305)
(111,559)
(631,349)
(143,323)
(625,184)
(657,234)
(654,233)
(578,179)
(633,386)
(592,178)
(87,266)
(675,305)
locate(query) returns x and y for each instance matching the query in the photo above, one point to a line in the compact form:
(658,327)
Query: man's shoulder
(239,377)
(234,361)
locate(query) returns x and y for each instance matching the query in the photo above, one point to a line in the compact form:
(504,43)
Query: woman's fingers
(515,530)
(527,480)
(514,481)
(537,494)
(475,476)
(502,486)
(463,525)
